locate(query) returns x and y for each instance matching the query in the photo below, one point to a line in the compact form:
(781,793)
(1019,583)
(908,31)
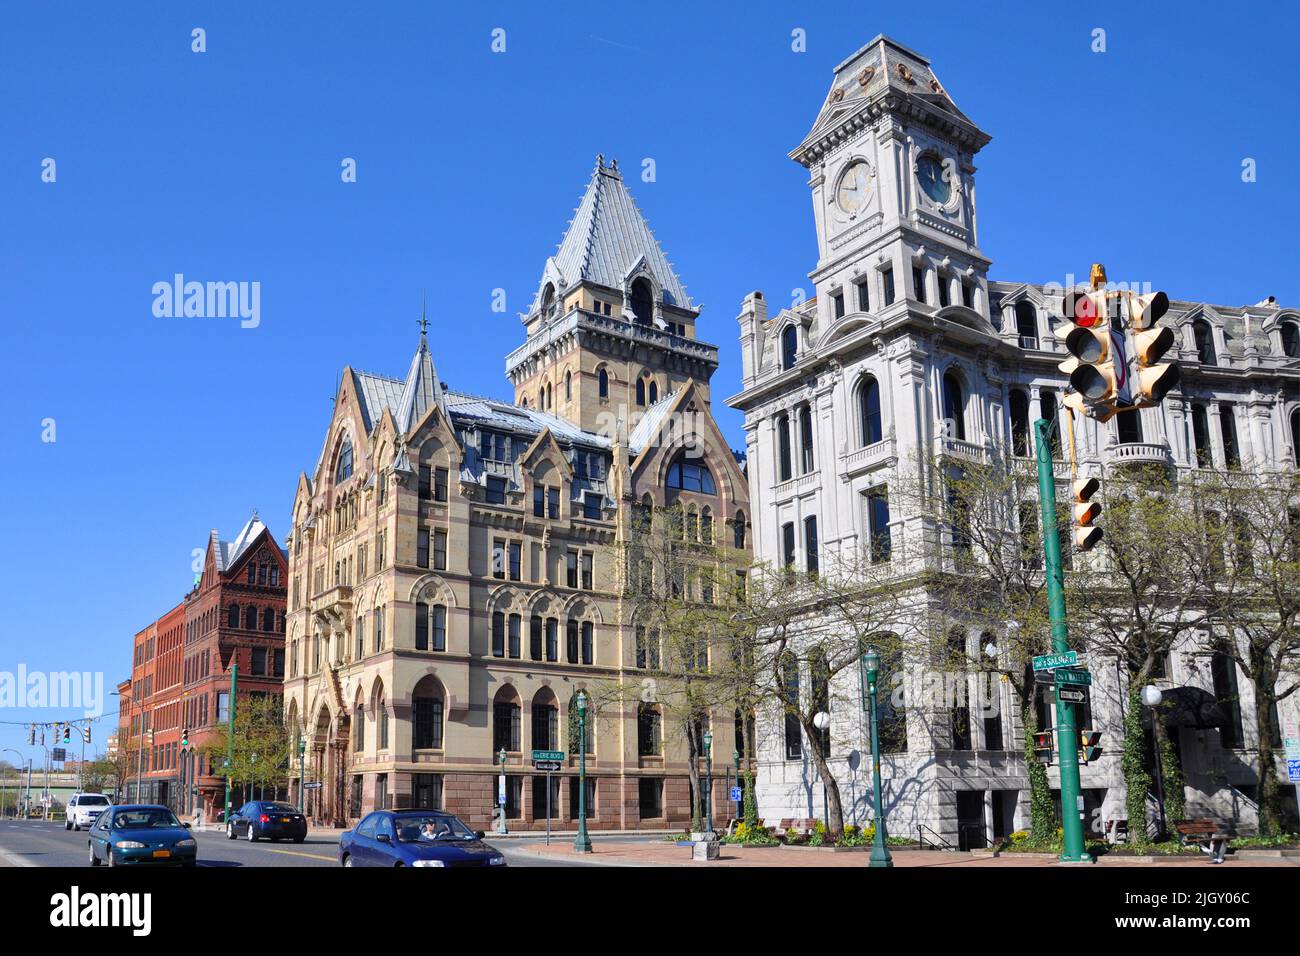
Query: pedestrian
(198,816)
(1218,847)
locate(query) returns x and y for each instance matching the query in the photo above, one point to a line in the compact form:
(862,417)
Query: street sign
(548,755)
(1076,695)
(1047,662)
(736,795)
(547,765)
(1293,771)
(314,785)
(58,755)
(1076,677)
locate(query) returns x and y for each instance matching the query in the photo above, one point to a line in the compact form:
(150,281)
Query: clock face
(930,171)
(854,187)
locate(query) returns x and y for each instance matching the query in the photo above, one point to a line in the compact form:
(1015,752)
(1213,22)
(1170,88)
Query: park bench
(1204,833)
(791,827)
(1117,831)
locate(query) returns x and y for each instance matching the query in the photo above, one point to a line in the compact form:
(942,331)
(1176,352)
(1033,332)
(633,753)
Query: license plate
(284,819)
(162,853)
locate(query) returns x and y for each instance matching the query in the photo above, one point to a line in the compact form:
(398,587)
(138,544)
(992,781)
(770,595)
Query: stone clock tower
(893,187)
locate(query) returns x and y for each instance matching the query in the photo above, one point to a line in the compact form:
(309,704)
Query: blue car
(141,834)
(415,838)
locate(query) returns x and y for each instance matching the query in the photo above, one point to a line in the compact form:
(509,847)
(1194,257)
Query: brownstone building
(455,559)
(234,615)
(149,711)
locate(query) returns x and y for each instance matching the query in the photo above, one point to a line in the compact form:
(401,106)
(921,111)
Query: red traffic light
(1081,309)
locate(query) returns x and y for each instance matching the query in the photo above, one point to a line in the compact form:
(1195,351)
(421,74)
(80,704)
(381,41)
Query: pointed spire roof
(422,387)
(226,553)
(607,237)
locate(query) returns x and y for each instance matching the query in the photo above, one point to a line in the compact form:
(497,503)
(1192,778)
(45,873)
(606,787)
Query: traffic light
(85,733)
(1096,363)
(67,733)
(1153,378)
(185,737)
(1086,512)
(1090,741)
(31,736)
(1043,748)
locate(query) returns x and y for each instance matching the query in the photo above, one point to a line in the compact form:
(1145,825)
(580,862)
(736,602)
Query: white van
(84,809)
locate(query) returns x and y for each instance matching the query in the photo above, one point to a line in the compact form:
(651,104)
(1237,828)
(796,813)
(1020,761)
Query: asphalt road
(35,843)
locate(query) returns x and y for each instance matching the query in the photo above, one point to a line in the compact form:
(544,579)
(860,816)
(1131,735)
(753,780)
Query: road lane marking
(314,856)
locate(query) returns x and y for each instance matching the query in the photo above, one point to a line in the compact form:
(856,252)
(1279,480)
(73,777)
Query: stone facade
(907,351)
(454,560)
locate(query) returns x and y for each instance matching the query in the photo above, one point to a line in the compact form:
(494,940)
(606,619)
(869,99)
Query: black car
(267,819)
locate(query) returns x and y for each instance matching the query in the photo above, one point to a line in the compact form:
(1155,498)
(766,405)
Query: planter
(826,849)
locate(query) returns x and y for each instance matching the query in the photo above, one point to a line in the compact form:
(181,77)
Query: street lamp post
(822,721)
(879,849)
(501,806)
(582,842)
(1151,696)
(708,784)
(735,759)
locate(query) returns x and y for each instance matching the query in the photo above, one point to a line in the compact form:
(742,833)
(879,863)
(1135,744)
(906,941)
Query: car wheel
(230,831)
(299,839)
(252,834)
(76,827)
(347,860)
(94,860)
(67,824)
(112,860)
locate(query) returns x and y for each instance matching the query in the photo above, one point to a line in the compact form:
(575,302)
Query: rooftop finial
(423,322)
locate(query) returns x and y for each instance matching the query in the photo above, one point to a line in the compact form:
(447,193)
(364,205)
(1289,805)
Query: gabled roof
(606,238)
(226,553)
(376,392)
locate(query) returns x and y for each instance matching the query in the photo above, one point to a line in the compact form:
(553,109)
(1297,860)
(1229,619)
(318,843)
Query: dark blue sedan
(415,838)
(140,834)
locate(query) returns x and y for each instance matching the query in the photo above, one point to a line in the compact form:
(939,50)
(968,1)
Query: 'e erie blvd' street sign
(1047,662)
(548,755)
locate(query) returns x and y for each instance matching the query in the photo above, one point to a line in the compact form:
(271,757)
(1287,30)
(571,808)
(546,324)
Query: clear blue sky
(225,166)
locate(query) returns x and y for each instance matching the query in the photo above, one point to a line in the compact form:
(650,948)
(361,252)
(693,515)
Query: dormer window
(1291,339)
(548,301)
(641,298)
(343,467)
(1027,325)
(1204,342)
(789,347)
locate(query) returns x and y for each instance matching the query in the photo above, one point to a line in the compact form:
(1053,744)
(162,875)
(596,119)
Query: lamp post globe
(1151,695)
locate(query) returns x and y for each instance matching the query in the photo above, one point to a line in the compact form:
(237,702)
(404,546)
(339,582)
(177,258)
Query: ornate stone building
(909,351)
(454,559)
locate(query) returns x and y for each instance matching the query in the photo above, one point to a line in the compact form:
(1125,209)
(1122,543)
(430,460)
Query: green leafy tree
(261,745)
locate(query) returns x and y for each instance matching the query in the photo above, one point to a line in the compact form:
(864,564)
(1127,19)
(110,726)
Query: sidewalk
(611,853)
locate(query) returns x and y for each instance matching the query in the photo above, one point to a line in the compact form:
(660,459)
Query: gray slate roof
(421,390)
(226,553)
(608,235)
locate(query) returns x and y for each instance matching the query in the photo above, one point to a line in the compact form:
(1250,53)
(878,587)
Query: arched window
(381,721)
(505,721)
(1295,436)
(954,406)
(642,301)
(805,439)
(640,391)
(706,525)
(358,728)
(343,468)
(1204,342)
(649,729)
(268,619)
(789,346)
(568,386)
(1019,408)
(426,712)
(1291,339)
(588,649)
(738,530)
(870,424)
(571,641)
(784,470)
(654,391)
(687,475)
(548,301)
(250,618)
(602,380)
(546,722)
(549,403)
(1027,324)
(232,616)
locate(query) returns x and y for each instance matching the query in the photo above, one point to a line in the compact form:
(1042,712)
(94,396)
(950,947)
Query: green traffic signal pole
(1067,735)
(230,734)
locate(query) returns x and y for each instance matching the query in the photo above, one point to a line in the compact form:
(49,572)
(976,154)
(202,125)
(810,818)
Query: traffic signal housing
(1093,352)
(1090,745)
(1043,748)
(1153,379)
(185,737)
(67,733)
(1085,512)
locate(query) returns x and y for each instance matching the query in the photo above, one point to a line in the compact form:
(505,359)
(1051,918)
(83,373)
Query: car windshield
(147,819)
(278,808)
(432,828)
(92,801)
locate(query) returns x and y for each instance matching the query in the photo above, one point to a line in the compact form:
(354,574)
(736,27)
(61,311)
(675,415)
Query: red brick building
(234,615)
(150,708)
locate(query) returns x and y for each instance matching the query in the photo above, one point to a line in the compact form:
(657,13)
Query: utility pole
(1067,733)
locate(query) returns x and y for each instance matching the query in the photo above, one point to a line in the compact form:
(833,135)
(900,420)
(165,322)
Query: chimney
(753,330)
